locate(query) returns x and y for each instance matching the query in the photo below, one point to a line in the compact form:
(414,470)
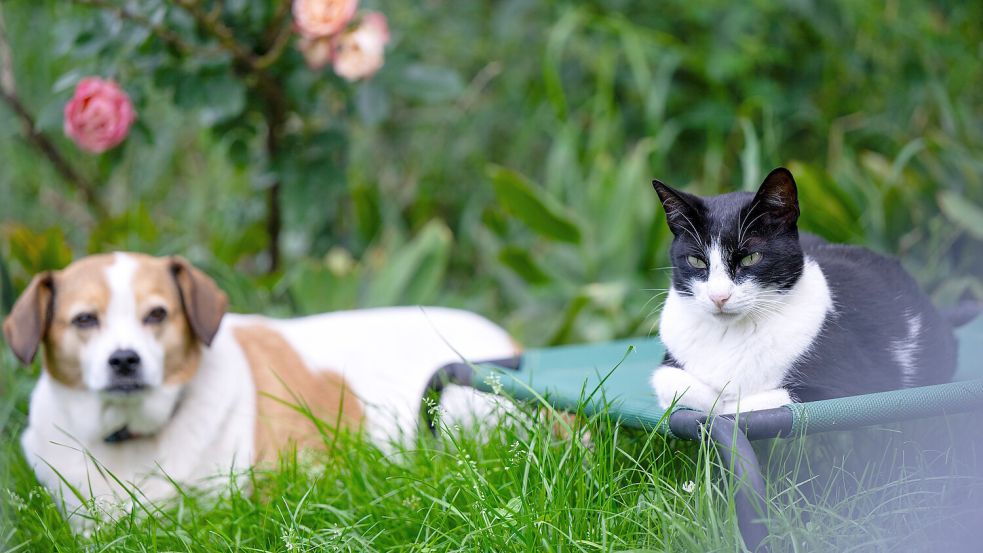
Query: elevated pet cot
(619,372)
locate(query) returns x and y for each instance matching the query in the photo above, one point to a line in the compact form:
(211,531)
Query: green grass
(522,488)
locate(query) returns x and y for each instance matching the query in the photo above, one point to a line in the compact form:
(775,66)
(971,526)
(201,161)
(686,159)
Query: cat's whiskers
(767,299)
(771,304)
(764,305)
(742,228)
(654,311)
(656,296)
(759,314)
(692,229)
(740,241)
(764,309)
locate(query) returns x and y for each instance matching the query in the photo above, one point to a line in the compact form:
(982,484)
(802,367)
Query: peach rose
(359,53)
(317,51)
(320,18)
(99,115)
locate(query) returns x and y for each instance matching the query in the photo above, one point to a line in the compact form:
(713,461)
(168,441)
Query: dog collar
(121,435)
(124,434)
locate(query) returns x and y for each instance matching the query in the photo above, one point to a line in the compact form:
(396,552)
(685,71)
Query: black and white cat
(758,316)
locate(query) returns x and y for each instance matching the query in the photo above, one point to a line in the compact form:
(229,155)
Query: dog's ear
(203,302)
(30,317)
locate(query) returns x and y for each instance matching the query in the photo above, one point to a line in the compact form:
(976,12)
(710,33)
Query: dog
(146,379)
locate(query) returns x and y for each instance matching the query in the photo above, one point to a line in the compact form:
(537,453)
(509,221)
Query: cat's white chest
(747,356)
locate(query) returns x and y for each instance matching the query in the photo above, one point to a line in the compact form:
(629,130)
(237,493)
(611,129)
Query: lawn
(500,161)
(524,488)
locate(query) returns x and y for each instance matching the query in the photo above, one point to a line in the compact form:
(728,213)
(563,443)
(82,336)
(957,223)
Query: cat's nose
(719,298)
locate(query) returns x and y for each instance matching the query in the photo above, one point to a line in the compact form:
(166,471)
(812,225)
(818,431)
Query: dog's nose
(124,362)
(719,299)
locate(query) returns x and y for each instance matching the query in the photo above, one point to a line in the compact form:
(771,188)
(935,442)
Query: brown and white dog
(146,378)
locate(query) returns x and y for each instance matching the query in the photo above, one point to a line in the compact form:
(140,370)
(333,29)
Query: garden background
(499,161)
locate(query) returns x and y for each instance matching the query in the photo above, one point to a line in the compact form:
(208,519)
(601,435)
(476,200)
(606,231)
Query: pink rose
(320,18)
(317,51)
(359,53)
(99,115)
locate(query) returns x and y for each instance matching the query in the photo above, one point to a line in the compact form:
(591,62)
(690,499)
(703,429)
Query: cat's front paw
(760,401)
(665,384)
(671,383)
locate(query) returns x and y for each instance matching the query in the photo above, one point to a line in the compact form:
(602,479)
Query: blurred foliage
(501,159)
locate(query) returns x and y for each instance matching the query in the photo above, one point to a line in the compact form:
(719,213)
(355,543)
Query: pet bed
(612,379)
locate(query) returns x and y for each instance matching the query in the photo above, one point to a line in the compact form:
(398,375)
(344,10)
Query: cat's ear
(680,208)
(778,198)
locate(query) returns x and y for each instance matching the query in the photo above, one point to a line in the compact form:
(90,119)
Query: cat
(759,316)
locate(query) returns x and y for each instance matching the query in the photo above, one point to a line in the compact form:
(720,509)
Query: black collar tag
(121,435)
(124,434)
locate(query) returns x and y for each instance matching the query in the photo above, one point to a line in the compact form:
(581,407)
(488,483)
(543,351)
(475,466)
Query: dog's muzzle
(125,368)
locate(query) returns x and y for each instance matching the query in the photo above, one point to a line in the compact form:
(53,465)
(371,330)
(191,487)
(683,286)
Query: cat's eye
(696,262)
(751,259)
(85,320)
(155,316)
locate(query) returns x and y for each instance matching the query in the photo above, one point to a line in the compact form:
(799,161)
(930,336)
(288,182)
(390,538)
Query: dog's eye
(155,316)
(696,262)
(85,320)
(751,259)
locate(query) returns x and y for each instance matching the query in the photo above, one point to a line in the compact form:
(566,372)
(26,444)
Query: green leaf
(213,93)
(367,202)
(67,82)
(130,230)
(372,103)
(318,287)
(962,213)
(533,206)
(826,209)
(6,288)
(311,170)
(520,261)
(247,240)
(563,332)
(223,97)
(38,251)
(559,36)
(750,156)
(430,84)
(414,272)
(897,215)
(51,116)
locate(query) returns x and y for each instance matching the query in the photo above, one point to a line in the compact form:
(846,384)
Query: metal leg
(461,374)
(737,455)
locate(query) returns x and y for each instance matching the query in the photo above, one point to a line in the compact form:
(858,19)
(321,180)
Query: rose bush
(99,115)
(243,70)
